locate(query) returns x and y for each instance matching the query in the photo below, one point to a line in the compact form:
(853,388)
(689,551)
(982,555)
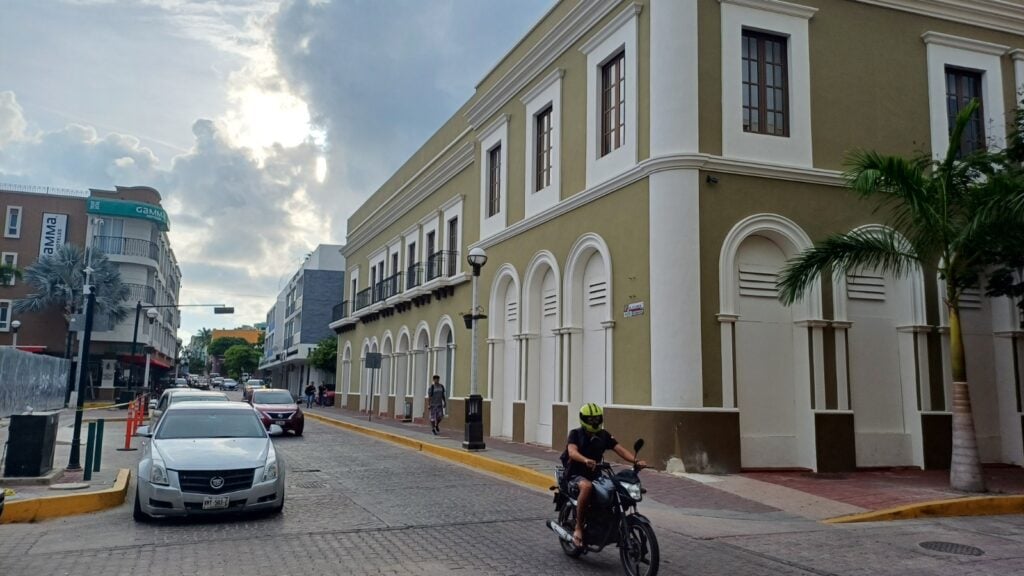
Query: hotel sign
(127,209)
(54,234)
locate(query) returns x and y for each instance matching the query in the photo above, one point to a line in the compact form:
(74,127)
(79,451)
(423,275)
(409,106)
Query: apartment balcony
(442,264)
(141,293)
(388,287)
(119,246)
(339,311)
(413,276)
(363,299)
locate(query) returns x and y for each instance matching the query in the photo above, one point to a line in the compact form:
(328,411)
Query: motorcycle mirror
(638,445)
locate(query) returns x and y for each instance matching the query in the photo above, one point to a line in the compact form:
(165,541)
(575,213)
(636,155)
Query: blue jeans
(309,400)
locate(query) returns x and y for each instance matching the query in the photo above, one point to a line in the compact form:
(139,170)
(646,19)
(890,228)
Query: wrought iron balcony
(363,299)
(339,311)
(120,246)
(413,276)
(442,263)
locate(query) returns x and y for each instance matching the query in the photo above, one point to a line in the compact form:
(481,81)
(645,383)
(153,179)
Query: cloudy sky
(262,123)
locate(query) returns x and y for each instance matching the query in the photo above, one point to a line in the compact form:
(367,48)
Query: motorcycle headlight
(158,474)
(633,491)
(270,471)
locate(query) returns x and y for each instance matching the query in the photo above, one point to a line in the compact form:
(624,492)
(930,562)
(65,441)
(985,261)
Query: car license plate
(215,502)
(280,422)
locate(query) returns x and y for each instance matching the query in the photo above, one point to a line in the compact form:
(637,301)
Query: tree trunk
(965,468)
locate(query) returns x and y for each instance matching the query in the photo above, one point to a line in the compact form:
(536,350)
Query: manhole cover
(952,548)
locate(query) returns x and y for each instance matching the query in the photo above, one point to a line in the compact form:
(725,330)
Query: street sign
(372,360)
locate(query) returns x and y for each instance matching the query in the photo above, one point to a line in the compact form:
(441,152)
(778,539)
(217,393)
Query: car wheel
(137,514)
(276,510)
(298,432)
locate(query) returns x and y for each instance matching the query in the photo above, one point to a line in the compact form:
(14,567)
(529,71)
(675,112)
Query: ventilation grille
(757,281)
(970,299)
(550,303)
(597,294)
(512,311)
(865,287)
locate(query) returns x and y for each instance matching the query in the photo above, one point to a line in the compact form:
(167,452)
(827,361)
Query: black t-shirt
(591,446)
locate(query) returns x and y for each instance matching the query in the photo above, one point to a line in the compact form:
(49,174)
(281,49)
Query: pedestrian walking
(438,404)
(321,394)
(310,394)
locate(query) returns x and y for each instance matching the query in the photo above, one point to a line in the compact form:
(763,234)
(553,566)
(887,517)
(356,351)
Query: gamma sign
(127,209)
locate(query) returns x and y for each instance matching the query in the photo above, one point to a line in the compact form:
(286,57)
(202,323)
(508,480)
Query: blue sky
(264,124)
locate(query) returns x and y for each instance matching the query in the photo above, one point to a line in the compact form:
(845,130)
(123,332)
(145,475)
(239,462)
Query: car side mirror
(144,432)
(638,445)
(276,430)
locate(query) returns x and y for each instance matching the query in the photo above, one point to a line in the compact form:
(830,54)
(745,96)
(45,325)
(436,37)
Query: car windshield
(183,398)
(272,397)
(210,424)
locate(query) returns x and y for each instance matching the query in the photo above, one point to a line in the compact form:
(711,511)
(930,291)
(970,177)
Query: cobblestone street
(356,505)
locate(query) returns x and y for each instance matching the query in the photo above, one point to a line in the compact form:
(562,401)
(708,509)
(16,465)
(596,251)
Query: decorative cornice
(727,318)
(580,19)
(842,324)
(611,27)
(452,202)
(409,195)
(969,44)
(1017,55)
(811,323)
(658,164)
(556,75)
(777,6)
(993,14)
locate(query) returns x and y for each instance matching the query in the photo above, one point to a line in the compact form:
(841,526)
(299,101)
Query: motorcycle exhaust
(559,530)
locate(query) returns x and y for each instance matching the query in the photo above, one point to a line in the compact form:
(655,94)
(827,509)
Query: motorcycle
(612,518)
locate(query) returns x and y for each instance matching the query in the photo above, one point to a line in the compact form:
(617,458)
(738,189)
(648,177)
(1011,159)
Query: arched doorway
(504,353)
(364,375)
(386,375)
(346,373)
(444,360)
(420,369)
(543,318)
(588,323)
(402,365)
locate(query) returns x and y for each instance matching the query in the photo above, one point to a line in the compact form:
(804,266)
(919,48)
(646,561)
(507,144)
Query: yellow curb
(973,506)
(95,405)
(45,508)
(513,472)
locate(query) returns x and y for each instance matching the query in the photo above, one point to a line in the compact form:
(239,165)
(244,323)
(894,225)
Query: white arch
(534,275)
(347,351)
(404,337)
(364,348)
(444,358)
(579,254)
(506,273)
(445,320)
(542,378)
(373,344)
(790,237)
(387,340)
(421,328)
(346,371)
(915,277)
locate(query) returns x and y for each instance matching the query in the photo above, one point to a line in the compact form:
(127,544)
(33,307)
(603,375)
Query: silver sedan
(208,457)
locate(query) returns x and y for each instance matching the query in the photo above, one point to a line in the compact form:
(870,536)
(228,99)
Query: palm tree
(58,278)
(8,273)
(938,218)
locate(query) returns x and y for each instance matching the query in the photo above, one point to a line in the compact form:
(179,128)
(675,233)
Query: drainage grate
(314,484)
(952,548)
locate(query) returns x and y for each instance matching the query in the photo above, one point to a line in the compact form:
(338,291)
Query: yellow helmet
(591,417)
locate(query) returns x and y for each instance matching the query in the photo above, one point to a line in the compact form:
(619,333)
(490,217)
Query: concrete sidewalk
(99,492)
(855,496)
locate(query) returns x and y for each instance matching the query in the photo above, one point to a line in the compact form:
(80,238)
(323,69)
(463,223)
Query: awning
(140,359)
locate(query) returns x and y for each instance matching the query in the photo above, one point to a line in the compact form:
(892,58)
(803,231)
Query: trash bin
(408,412)
(30,444)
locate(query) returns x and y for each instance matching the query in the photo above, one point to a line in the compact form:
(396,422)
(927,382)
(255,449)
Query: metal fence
(31,380)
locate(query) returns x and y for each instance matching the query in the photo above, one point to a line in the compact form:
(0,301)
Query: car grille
(198,481)
(280,415)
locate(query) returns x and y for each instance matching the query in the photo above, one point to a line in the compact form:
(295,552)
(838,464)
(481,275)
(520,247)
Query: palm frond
(57,280)
(882,249)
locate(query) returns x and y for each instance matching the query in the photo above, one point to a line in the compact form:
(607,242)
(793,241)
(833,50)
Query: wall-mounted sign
(54,234)
(372,360)
(127,209)
(634,309)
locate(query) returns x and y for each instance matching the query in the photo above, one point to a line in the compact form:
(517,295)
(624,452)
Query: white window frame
(453,209)
(7,221)
(496,134)
(353,274)
(548,93)
(790,21)
(5,323)
(945,50)
(618,35)
(427,225)
(14,263)
(410,235)
(395,247)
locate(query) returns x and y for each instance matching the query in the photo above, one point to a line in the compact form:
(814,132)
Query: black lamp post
(474,433)
(74,461)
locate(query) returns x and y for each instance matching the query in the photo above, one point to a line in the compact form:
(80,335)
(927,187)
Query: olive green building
(638,172)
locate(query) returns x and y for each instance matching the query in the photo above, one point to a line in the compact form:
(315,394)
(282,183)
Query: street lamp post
(74,461)
(14,328)
(474,433)
(151,314)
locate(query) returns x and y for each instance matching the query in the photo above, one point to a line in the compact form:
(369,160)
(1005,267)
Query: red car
(278,407)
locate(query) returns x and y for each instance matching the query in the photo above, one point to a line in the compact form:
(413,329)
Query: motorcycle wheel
(567,520)
(639,552)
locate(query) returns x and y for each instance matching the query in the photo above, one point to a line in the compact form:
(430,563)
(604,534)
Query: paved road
(361,506)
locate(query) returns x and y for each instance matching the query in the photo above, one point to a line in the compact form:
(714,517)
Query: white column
(909,384)
(840,329)
(673,72)
(727,327)
(817,328)
(490,367)
(1018,71)
(674,307)
(609,360)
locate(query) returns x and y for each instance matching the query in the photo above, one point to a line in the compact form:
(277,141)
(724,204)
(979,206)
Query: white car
(208,457)
(228,384)
(175,395)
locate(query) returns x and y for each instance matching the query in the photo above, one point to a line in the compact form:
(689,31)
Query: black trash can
(30,444)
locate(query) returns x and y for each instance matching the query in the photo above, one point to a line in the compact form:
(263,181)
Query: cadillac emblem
(216,482)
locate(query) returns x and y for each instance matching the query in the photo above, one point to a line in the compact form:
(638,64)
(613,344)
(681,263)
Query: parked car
(174,395)
(249,386)
(201,384)
(181,383)
(217,383)
(278,407)
(228,384)
(208,457)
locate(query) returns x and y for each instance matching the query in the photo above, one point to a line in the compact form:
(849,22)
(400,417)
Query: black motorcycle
(612,518)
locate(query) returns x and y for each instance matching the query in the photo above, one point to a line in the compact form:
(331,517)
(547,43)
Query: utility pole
(83,372)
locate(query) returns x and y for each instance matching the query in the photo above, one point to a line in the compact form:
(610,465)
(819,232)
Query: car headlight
(158,474)
(270,471)
(633,491)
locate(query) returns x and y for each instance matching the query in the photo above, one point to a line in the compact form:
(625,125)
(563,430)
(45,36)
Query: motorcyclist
(584,450)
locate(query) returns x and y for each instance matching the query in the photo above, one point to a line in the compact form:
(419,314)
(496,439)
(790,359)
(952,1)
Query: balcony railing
(127,246)
(339,311)
(141,293)
(289,340)
(413,276)
(442,263)
(363,299)
(388,287)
